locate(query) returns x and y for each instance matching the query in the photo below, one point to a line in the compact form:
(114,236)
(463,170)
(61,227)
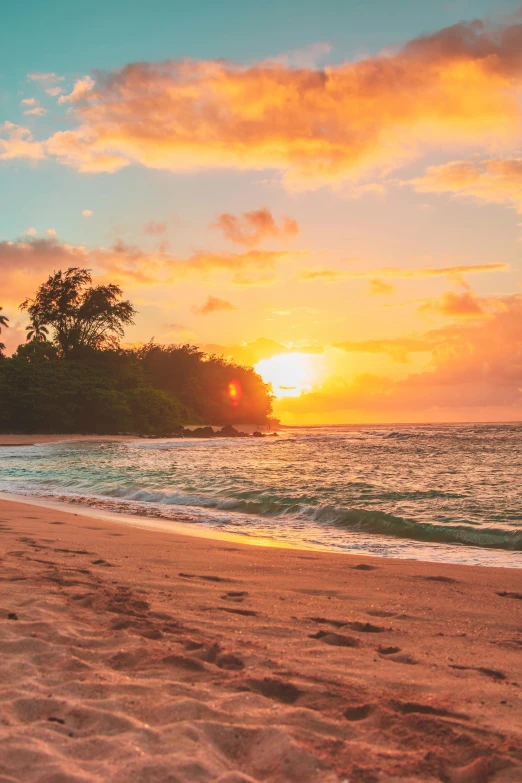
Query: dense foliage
(82,381)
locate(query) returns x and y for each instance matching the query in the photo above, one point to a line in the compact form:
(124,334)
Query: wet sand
(30,440)
(134,656)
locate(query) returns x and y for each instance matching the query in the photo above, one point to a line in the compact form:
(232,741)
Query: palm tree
(3,320)
(36,332)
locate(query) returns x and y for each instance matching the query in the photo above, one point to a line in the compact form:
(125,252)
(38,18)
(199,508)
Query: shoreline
(198,530)
(200,522)
(173,657)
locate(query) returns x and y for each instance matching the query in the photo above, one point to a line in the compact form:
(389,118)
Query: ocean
(447,493)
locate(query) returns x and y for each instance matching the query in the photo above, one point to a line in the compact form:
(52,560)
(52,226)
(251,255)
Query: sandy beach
(139,657)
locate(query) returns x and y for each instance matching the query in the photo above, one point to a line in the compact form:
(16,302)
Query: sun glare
(290,374)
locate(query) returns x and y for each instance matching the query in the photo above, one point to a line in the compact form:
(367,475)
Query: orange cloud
(494,181)
(451,272)
(19,143)
(452,303)
(475,372)
(252,228)
(213,305)
(377,286)
(460,85)
(23,262)
(80,91)
(399,349)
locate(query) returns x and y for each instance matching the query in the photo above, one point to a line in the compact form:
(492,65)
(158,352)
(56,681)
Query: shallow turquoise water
(450,493)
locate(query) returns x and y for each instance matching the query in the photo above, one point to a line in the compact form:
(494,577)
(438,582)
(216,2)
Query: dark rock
(228,431)
(203,432)
(257,434)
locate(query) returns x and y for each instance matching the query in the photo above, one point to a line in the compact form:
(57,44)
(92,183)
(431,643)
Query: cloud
(213,305)
(45,77)
(29,102)
(493,181)
(379,287)
(81,150)
(53,91)
(474,372)
(399,349)
(38,111)
(19,143)
(31,232)
(24,261)
(87,212)
(452,303)
(34,254)
(252,228)
(451,272)
(459,86)
(51,232)
(81,89)
(155,228)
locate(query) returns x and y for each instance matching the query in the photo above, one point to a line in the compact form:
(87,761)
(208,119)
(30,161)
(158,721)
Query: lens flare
(235,392)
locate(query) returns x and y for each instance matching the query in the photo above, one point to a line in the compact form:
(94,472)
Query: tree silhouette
(79,314)
(3,322)
(36,332)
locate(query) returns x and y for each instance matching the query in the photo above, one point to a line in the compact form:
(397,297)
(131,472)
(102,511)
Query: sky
(331,192)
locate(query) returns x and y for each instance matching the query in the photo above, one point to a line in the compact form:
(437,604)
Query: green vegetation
(72,375)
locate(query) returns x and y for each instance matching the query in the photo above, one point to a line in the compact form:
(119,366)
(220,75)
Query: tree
(80,315)
(3,322)
(36,332)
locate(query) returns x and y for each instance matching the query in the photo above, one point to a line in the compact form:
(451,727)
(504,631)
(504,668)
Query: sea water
(450,493)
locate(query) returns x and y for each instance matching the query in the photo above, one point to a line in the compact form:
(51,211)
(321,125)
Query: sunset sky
(331,191)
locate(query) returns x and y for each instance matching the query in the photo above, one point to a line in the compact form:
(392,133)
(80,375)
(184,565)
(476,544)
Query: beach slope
(133,656)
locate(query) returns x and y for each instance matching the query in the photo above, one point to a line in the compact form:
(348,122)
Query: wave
(292,511)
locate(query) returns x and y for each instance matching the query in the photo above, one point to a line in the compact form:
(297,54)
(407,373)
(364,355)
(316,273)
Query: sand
(131,656)
(30,440)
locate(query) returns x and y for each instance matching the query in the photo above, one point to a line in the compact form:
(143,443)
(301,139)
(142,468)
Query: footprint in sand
(326,621)
(102,562)
(364,567)
(505,594)
(360,712)
(335,639)
(379,613)
(271,688)
(403,658)
(388,650)
(414,708)
(244,612)
(206,578)
(365,627)
(229,662)
(238,596)
(447,579)
(495,674)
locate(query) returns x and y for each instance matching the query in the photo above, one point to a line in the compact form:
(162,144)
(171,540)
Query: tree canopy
(80,315)
(71,374)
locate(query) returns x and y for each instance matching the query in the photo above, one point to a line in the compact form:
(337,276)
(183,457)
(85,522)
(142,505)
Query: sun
(290,374)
